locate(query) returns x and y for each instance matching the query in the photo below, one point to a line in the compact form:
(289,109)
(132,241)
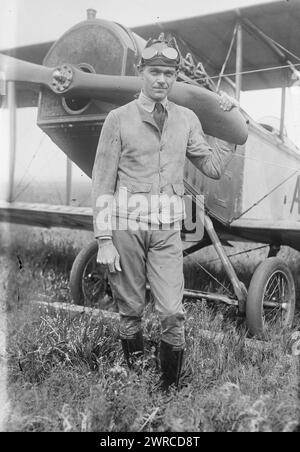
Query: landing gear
(271,298)
(88,280)
(269,303)
(274,250)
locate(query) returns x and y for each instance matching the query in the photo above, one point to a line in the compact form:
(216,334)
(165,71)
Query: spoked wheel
(271,298)
(88,280)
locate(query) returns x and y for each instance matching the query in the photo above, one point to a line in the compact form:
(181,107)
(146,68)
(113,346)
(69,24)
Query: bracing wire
(208,273)
(283,48)
(264,197)
(227,56)
(273,68)
(240,252)
(30,163)
(34,178)
(272,163)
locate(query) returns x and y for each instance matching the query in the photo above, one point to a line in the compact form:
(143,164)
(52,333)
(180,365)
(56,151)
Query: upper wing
(209,38)
(33,53)
(27,93)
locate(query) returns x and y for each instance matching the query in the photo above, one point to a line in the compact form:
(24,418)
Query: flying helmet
(161,52)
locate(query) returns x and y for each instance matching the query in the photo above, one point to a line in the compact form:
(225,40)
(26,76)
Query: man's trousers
(154,256)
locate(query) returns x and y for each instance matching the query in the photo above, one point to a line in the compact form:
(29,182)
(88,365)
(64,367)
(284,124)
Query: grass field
(66,372)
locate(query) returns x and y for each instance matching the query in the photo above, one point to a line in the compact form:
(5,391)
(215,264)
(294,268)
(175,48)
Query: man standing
(140,160)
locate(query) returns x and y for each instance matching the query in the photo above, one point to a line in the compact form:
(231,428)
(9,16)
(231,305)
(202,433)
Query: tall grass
(66,372)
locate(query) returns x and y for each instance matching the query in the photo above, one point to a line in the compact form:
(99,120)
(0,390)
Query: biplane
(91,69)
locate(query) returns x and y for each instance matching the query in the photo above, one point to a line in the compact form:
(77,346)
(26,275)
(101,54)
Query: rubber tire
(254,305)
(77,270)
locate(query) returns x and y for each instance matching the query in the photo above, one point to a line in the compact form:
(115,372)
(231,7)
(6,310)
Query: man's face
(157,81)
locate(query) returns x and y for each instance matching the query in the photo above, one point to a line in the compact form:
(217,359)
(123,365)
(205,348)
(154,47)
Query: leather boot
(133,348)
(171,364)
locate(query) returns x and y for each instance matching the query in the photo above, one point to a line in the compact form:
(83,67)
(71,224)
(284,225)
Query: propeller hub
(62,78)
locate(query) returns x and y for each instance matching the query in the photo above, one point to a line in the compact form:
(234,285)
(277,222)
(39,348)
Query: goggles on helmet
(168,52)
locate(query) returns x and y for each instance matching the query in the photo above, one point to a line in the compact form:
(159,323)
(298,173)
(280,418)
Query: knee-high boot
(133,348)
(171,363)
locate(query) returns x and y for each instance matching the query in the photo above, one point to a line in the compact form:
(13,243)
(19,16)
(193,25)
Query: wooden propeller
(67,80)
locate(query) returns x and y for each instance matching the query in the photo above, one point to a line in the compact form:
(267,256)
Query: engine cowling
(95,46)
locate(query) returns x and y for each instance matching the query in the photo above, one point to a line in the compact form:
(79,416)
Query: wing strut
(282,112)
(239,61)
(11,103)
(227,57)
(68,181)
(281,53)
(237,37)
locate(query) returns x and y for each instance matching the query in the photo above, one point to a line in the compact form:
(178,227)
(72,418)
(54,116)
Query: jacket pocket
(133,197)
(178,188)
(138,187)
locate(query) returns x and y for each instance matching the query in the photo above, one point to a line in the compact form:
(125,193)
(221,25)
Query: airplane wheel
(88,280)
(271,298)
